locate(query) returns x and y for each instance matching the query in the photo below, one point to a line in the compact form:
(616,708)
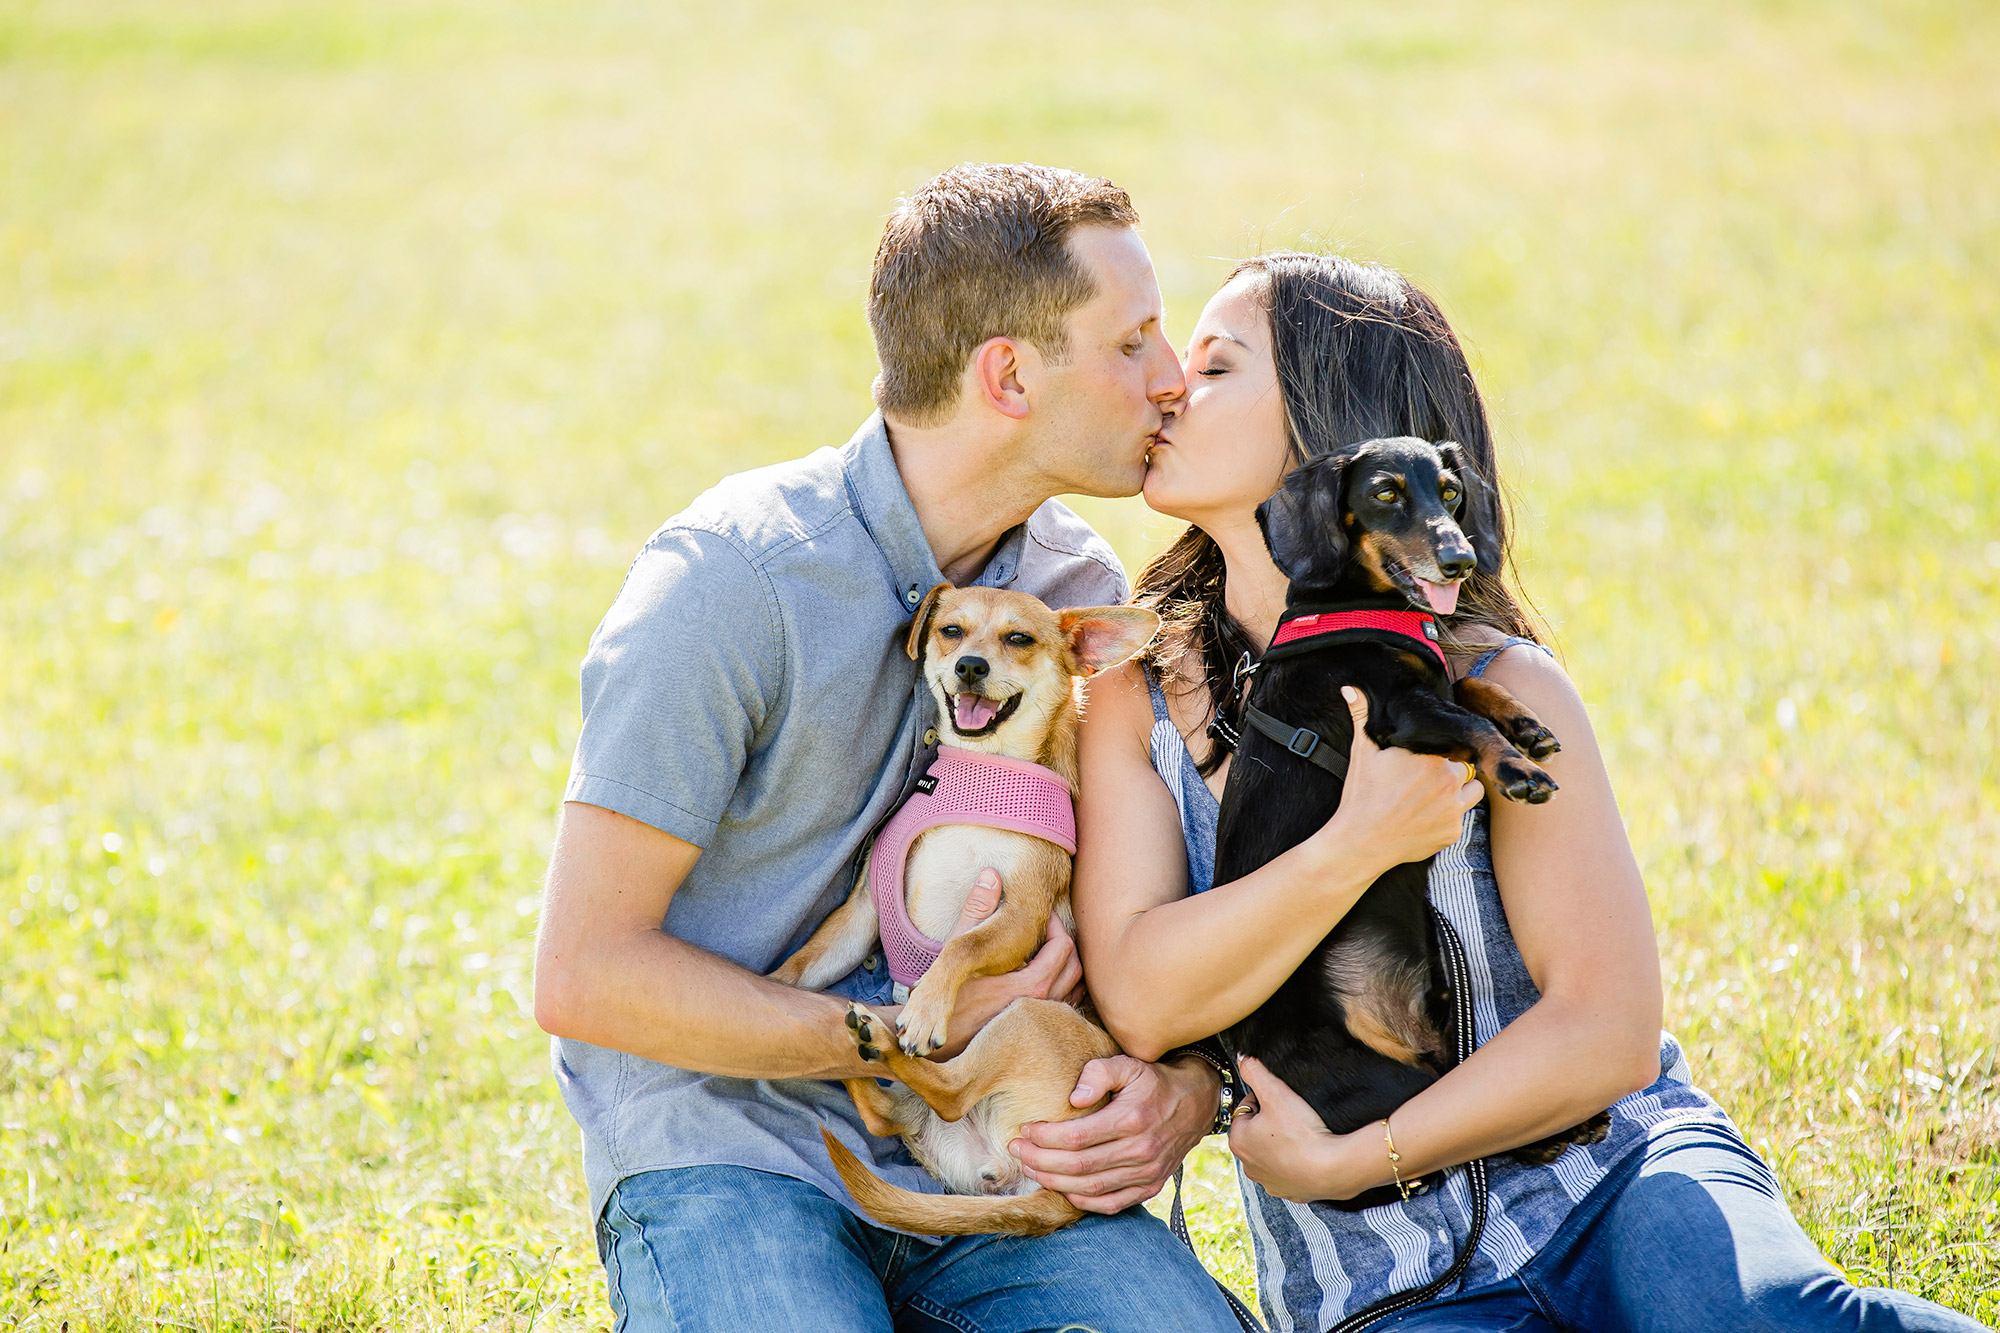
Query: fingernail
(1085,1090)
(1347,693)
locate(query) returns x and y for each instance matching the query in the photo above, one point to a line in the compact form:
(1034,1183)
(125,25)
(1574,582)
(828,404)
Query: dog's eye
(1386,496)
(951,632)
(1450,495)
(1020,640)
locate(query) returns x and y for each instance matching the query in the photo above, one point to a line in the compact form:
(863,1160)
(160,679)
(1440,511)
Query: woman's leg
(1693,1232)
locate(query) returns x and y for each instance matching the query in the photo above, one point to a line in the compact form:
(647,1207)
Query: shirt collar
(884,505)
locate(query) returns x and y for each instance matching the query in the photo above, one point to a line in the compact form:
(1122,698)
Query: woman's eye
(1021,640)
(1213,371)
(951,632)
(1386,496)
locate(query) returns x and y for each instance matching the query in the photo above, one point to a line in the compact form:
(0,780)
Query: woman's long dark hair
(1361,354)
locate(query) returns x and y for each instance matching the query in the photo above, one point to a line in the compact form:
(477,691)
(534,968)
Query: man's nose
(1169,380)
(971,670)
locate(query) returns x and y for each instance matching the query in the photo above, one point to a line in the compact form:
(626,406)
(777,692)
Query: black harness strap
(1298,740)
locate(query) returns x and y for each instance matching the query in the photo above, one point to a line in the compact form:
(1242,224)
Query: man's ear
(920,623)
(1479,507)
(1101,637)
(1001,371)
(1301,523)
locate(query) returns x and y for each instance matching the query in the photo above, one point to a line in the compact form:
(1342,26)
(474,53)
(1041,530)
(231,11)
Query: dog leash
(1177,1219)
(1459,975)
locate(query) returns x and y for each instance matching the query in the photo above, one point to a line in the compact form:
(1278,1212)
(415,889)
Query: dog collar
(961,787)
(1381,620)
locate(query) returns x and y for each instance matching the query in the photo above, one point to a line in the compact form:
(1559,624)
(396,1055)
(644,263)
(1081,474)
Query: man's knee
(731,1248)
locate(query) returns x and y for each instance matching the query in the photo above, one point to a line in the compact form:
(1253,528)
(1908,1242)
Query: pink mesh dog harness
(962,787)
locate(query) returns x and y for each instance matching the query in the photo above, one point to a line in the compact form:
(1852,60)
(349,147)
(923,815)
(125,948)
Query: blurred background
(348,353)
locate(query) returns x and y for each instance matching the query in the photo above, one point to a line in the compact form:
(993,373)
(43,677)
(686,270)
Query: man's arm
(607,974)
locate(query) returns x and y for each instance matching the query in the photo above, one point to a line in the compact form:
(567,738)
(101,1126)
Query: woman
(1671,1222)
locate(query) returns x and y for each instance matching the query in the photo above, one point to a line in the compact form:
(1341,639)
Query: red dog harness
(962,787)
(1305,628)
(1421,626)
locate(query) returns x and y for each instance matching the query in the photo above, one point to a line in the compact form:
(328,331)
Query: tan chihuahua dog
(1003,669)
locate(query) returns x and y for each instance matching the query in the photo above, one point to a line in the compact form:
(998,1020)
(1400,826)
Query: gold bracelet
(1395,1158)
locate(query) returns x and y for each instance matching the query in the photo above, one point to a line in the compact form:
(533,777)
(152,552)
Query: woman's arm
(1165,968)
(1578,911)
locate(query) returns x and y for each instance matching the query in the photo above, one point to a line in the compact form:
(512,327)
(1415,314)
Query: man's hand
(1124,1152)
(1054,973)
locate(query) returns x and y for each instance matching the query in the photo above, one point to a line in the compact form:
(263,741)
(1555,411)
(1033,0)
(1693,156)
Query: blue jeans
(1689,1233)
(729,1248)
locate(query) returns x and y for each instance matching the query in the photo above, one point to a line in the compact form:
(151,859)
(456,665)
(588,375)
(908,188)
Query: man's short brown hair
(980,251)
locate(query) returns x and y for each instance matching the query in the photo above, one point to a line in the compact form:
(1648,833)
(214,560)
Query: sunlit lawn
(347,355)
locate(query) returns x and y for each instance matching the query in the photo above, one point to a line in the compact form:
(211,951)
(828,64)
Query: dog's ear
(1301,523)
(920,623)
(1479,507)
(1101,637)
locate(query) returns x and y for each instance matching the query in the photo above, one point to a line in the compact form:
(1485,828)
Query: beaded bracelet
(1225,1109)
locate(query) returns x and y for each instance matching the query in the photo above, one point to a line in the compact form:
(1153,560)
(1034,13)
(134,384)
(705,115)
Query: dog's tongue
(973,712)
(1443,597)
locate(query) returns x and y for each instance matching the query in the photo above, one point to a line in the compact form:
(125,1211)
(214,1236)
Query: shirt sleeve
(680,675)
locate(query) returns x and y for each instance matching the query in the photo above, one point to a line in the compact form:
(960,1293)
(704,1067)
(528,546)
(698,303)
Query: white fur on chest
(944,862)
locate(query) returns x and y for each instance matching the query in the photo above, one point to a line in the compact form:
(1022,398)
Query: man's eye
(951,632)
(1020,640)
(1386,496)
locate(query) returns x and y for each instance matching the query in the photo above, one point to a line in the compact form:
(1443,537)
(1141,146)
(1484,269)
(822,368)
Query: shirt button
(930,735)
(1443,1239)
(913,596)
(870,961)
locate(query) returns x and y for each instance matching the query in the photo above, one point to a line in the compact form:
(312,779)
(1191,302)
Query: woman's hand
(1285,1147)
(1397,806)
(1054,973)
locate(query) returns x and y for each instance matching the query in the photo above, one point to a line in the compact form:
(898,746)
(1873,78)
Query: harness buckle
(1245,669)
(1303,743)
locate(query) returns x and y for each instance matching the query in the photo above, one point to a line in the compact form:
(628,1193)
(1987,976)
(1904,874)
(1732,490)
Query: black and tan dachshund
(1372,533)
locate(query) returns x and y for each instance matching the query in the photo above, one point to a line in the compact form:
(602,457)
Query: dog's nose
(1455,565)
(971,670)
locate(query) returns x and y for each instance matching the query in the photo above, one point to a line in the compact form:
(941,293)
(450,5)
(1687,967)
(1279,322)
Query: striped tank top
(1315,1264)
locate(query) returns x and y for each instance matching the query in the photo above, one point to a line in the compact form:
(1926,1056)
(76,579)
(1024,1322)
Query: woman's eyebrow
(1225,335)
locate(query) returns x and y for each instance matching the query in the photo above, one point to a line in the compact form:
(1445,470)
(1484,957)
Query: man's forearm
(654,996)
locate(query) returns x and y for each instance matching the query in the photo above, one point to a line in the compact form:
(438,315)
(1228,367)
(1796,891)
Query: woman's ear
(1302,523)
(1101,637)
(920,623)
(1479,507)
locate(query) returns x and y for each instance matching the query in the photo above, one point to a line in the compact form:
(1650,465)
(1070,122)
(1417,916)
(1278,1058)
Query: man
(750,716)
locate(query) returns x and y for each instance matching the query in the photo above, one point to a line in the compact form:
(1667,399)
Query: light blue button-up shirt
(748,692)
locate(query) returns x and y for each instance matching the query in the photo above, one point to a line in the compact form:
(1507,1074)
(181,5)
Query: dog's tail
(1034,1214)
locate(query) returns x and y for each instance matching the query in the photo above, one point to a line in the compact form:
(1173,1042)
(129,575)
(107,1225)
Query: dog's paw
(1532,737)
(1524,781)
(870,1034)
(922,1023)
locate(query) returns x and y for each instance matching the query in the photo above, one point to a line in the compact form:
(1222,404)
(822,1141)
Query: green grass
(347,354)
